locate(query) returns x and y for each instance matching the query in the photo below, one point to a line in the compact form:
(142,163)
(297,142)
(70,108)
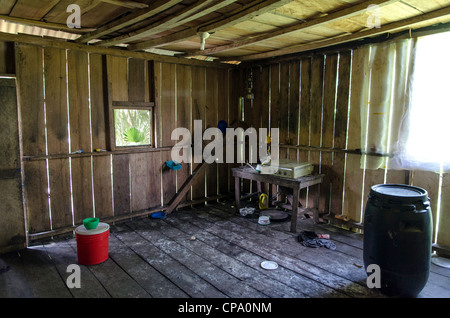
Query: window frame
(118,105)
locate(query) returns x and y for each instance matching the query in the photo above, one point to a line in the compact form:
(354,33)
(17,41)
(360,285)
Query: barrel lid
(400,191)
(101,228)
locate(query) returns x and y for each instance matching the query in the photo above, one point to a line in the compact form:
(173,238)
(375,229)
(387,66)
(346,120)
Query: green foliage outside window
(132,127)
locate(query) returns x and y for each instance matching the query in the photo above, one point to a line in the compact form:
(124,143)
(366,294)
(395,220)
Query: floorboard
(202,252)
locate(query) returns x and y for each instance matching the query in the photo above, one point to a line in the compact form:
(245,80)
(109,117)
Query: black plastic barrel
(397,237)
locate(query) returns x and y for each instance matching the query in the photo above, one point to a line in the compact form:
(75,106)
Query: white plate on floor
(269,265)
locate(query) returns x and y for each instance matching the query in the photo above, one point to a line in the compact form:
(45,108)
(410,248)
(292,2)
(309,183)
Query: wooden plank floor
(206,252)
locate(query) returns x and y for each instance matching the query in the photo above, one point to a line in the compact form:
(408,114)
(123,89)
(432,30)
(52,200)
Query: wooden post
(294,211)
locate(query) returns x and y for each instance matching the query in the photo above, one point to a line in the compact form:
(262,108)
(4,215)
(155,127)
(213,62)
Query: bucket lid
(101,228)
(400,193)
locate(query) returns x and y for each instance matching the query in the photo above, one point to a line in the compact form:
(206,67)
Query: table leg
(258,187)
(237,193)
(316,210)
(294,211)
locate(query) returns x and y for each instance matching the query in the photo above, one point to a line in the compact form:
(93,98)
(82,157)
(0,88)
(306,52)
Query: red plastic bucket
(92,245)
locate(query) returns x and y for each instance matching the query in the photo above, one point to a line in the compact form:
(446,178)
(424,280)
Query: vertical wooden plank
(102,186)
(57,136)
(154,167)
(136,80)
(140,181)
(443,237)
(60,198)
(168,103)
(354,173)
(198,113)
(305,109)
(430,182)
(78,89)
(155,68)
(275,96)
(7,57)
(118,72)
(36,196)
(317,78)
(99,107)
(294,107)
(9,121)
(265,100)
(56,100)
(183,101)
(121,184)
(222,114)
(168,177)
(12,235)
(283,109)
(212,87)
(31,100)
(82,188)
(139,172)
(168,121)
(233,114)
(274,104)
(117,89)
(329,104)
(340,132)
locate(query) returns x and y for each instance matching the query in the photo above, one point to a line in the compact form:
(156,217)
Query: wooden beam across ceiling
(303,26)
(391,27)
(127,4)
(186,15)
(133,18)
(248,11)
(46,25)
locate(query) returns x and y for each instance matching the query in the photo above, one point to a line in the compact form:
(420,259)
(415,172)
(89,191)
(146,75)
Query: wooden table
(246,172)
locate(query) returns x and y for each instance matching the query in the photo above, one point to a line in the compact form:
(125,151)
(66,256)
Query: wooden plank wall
(64,97)
(64,93)
(309,99)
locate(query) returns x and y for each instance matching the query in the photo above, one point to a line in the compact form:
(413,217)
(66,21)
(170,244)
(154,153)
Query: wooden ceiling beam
(51,42)
(156,7)
(185,15)
(391,27)
(331,17)
(127,4)
(46,25)
(248,11)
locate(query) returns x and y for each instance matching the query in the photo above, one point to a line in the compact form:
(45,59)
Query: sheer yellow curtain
(381,79)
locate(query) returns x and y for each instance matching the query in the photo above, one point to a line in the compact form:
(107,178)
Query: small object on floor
(269,265)
(158,215)
(440,261)
(246,211)
(193,238)
(4,269)
(263,201)
(310,239)
(264,220)
(357,265)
